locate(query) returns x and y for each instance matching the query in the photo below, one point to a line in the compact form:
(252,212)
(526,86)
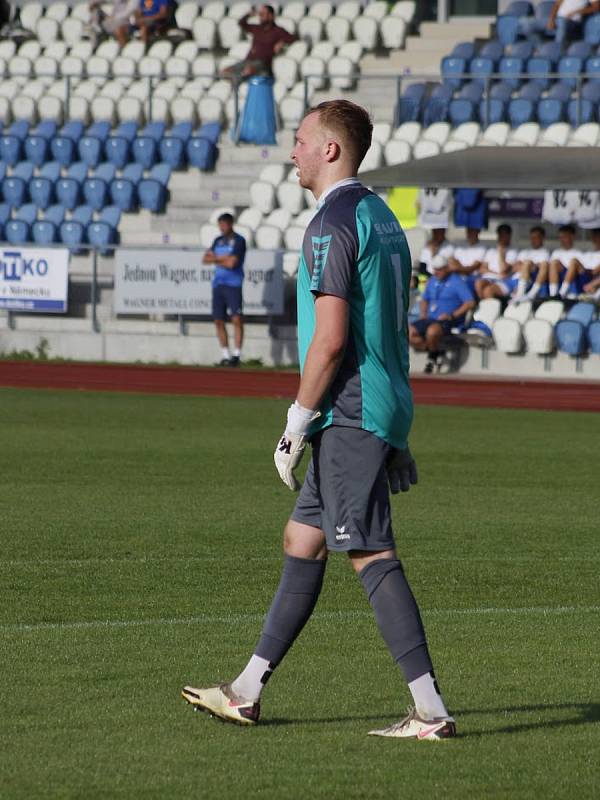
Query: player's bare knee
(361,558)
(304,541)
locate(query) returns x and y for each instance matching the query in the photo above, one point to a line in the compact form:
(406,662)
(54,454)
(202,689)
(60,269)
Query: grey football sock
(294,601)
(397,615)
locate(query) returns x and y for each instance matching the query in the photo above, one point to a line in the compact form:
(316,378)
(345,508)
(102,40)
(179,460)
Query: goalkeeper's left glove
(290,447)
(401,470)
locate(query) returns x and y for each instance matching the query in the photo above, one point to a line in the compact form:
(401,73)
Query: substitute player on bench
(355,407)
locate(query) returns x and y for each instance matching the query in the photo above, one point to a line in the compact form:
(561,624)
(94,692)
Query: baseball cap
(439,262)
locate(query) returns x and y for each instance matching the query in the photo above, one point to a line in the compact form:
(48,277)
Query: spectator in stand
(437,245)
(444,303)
(582,270)
(468,258)
(497,279)
(530,261)
(554,270)
(268,39)
(117,22)
(152,16)
(564,20)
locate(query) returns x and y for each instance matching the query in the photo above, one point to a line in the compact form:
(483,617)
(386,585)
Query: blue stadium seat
(538,69)
(580,50)
(571,332)
(68,188)
(550,111)
(91,145)
(461,110)
(12,142)
(473,91)
(41,187)
(550,50)
(45,231)
(95,188)
(64,146)
(72,231)
(465,50)
(15,187)
(210,131)
(118,144)
(492,49)
(18,229)
(500,90)
(37,143)
(542,12)
(410,104)
(592,66)
(580,111)
(145,146)
(104,230)
(441,91)
(591,32)
(507,28)
(436,110)
(201,152)
(494,110)
(481,68)
(451,68)
(172,146)
(560,91)
(593,333)
(509,68)
(3,170)
(569,68)
(520,111)
(591,91)
(5,215)
(531,90)
(152,190)
(123,190)
(519,8)
(521,49)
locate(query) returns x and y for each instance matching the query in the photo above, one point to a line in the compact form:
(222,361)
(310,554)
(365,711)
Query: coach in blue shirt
(227,253)
(152,16)
(444,303)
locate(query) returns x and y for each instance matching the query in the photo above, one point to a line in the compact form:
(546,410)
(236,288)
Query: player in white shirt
(438,245)
(468,257)
(497,279)
(582,269)
(555,269)
(532,262)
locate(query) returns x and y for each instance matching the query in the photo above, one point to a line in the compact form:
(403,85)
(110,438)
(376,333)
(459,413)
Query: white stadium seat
(291,261)
(34,89)
(139,89)
(453,145)
(24,107)
(295,10)
(393,32)
(251,218)
(508,329)
(240,8)
(273,174)
(314,70)
(585,135)
(376,10)
(323,50)
(204,32)
(186,50)
(426,148)
(193,90)
(230,32)
(304,218)
(186,13)
(56,50)
(45,69)
(133,50)
(268,237)
(112,89)
(208,233)
(81,11)
(337,30)
(47,31)
(405,9)
(104,108)
(183,109)
(87,89)
(30,49)
(162,49)
(9,89)
(166,89)
(210,109)
(495,135)
(373,158)
(352,50)
(408,132)
(150,67)
(539,331)
(57,10)
(20,69)
(72,31)
(278,218)
(293,237)
(285,70)
(289,25)
(59,89)
(290,197)
(79,108)
(204,69)
(131,108)
(82,50)
(246,232)
(297,50)
(98,69)
(321,10)
(341,72)
(437,132)
(51,108)
(8,48)
(524,135)
(348,9)
(124,70)
(161,110)
(555,135)
(382,132)
(312,28)
(30,13)
(467,132)
(215,10)
(488,311)
(291,109)
(397,151)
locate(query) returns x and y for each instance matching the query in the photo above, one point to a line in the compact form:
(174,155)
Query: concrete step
(467,29)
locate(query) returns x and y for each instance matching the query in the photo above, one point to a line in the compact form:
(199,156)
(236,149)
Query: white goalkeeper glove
(401,470)
(290,447)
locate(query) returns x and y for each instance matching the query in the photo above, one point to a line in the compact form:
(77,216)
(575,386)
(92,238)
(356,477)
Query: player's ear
(332,150)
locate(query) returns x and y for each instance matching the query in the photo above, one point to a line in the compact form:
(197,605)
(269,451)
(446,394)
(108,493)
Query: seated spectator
(531,261)
(268,39)
(152,16)
(117,22)
(582,269)
(497,278)
(467,258)
(444,303)
(554,270)
(564,21)
(437,245)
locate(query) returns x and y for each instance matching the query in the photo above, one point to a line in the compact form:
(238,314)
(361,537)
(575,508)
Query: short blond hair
(350,122)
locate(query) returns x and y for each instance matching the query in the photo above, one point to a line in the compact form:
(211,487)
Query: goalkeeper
(354,406)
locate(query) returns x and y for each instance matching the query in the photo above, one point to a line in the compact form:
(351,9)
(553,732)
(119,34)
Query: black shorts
(226,301)
(345,491)
(421,325)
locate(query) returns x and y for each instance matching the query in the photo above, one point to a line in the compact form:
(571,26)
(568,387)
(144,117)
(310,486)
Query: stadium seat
(550,111)
(145,146)
(507,330)
(263,196)
(592,30)
(460,111)
(452,70)
(520,111)
(45,231)
(15,187)
(524,135)
(123,189)
(18,229)
(509,69)
(95,187)
(118,144)
(172,147)
(521,49)
(41,187)
(64,146)
(586,135)
(569,68)
(560,91)
(5,215)
(507,29)
(426,149)
(571,332)
(410,103)
(486,313)
(290,196)
(530,90)
(366,31)
(480,69)
(467,133)
(472,90)
(539,331)
(550,50)
(538,69)
(337,30)
(104,231)
(492,49)
(593,333)
(492,111)
(37,143)
(72,232)
(373,157)
(555,135)
(495,135)
(591,90)
(91,146)
(436,110)
(501,91)
(68,188)
(152,191)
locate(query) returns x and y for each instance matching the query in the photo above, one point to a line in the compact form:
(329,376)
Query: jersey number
(397,264)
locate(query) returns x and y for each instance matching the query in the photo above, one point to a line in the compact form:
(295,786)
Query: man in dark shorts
(268,39)
(444,303)
(354,405)
(151,17)
(227,253)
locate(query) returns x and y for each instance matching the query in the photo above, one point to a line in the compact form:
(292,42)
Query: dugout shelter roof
(507,168)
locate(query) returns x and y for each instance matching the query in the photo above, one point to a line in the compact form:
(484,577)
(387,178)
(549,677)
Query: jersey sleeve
(334,252)
(239,248)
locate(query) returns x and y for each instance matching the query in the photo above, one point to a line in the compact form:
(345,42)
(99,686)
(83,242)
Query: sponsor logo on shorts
(341,533)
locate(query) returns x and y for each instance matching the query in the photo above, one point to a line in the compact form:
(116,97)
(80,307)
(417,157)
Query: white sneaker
(415,727)
(220,701)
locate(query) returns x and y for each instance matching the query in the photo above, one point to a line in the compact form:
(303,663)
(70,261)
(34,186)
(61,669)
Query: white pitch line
(207,619)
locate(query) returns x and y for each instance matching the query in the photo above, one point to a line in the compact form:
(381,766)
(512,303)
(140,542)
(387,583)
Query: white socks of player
(249,683)
(533,292)
(236,352)
(427,698)
(225,353)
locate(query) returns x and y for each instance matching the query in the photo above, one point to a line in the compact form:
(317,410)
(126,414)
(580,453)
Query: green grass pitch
(140,547)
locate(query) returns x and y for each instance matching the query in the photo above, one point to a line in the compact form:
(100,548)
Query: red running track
(436,390)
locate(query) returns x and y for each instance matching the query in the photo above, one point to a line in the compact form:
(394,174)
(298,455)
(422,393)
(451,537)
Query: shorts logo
(341,533)
(320,251)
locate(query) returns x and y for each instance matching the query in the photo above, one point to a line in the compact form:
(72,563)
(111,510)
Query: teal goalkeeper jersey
(354,248)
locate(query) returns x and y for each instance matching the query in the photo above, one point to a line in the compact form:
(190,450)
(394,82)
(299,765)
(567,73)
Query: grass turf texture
(141,547)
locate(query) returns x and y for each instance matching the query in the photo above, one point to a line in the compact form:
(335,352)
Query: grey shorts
(345,491)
